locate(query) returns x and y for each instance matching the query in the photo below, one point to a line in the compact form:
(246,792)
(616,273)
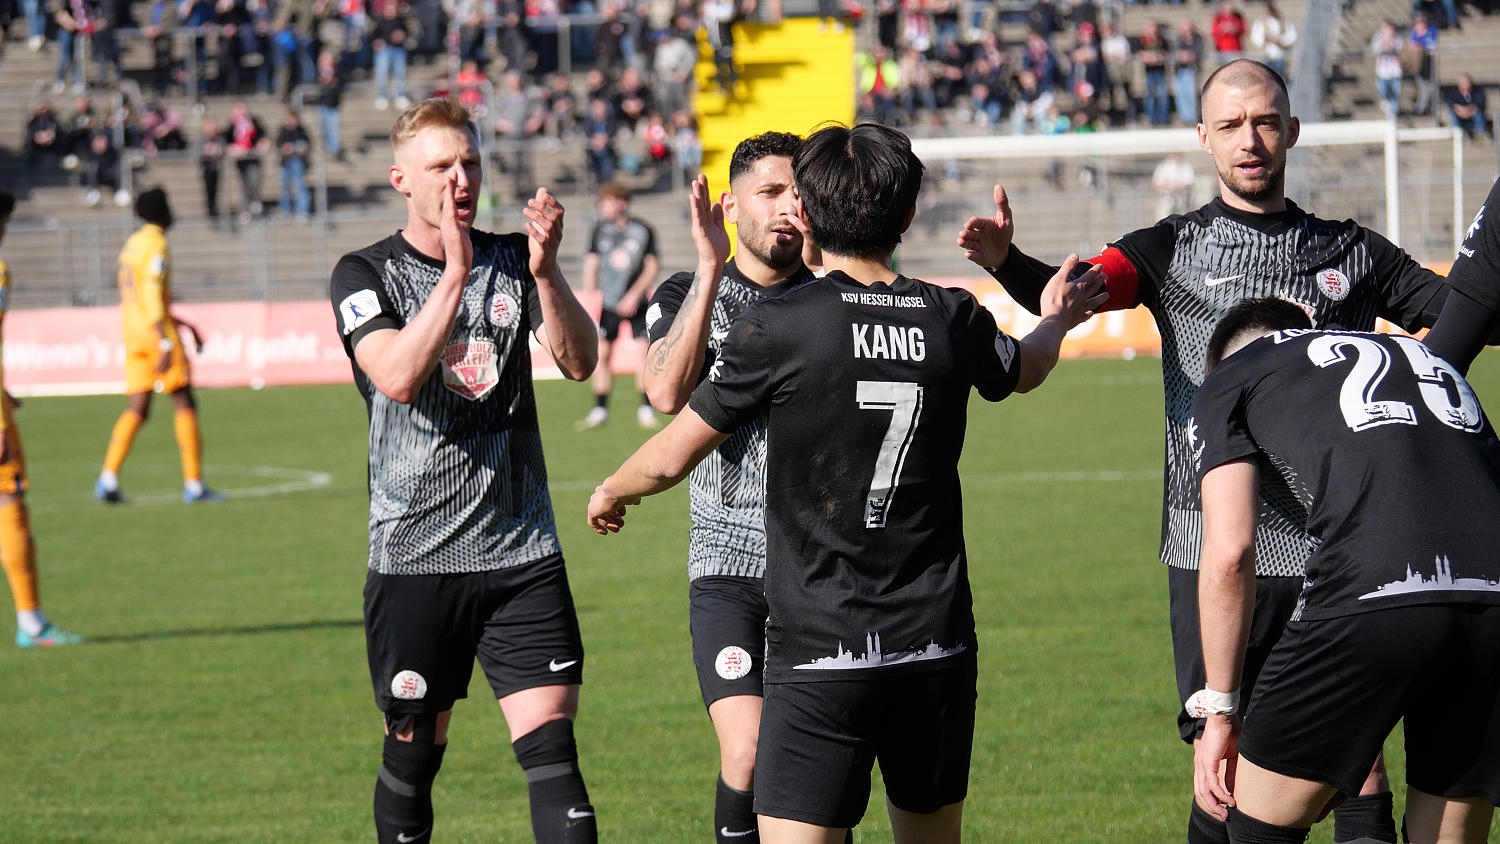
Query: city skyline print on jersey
(875,657)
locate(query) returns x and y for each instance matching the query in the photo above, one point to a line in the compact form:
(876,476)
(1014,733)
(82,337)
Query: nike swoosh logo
(725,831)
(575,814)
(404,838)
(1212,282)
(554,665)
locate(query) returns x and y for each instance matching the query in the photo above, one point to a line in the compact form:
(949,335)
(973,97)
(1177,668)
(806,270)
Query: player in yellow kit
(154,353)
(17,550)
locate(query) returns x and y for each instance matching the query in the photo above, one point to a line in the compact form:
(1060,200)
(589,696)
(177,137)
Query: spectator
(876,79)
(1187,52)
(292,145)
(110,14)
(1087,60)
(1153,54)
(1042,17)
(562,107)
(1173,182)
(513,39)
(195,15)
(465,29)
(1386,46)
(1466,108)
(675,58)
(1038,58)
(390,43)
(987,92)
(718,21)
(1421,46)
(161,129)
(44,137)
(916,85)
(211,144)
(658,140)
(598,128)
(293,43)
(101,171)
(74,18)
(236,42)
(78,132)
(470,85)
(887,22)
(247,142)
(632,100)
(1274,37)
(1114,47)
(610,38)
(1430,10)
(952,82)
(687,148)
(1031,105)
(330,97)
(36,23)
(1228,31)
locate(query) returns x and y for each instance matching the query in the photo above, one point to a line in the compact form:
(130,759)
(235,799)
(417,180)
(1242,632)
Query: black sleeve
(1476,270)
(741,379)
(661,314)
(360,302)
(996,356)
(1024,278)
(1411,295)
(1461,330)
(1218,420)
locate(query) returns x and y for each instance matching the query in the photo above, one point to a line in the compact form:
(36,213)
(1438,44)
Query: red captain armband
(1120,279)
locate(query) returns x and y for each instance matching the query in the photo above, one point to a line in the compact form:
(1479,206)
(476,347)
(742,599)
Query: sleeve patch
(1005,348)
(357,309)
(159,265)
(653,313)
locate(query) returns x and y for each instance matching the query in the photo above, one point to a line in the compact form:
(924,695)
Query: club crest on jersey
(470,369)
(733,662)
(1334,284)
(408,685)
(504,312)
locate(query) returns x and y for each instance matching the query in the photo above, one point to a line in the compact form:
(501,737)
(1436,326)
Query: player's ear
(1293,131)
(398,179)
(731,209)
(1203,140)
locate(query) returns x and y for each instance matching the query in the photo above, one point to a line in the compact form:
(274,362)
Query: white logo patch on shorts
(359,308)
(504,312)
(733,662)
(1334,284)
(408,685)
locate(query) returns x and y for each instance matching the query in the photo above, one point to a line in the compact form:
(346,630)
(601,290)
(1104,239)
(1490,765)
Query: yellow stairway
(793,75)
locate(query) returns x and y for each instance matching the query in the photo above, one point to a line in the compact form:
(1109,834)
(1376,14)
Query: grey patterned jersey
(457,479)
(727,491)
(1190,269)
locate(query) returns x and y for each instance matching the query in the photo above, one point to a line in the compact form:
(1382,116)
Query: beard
(1255,189)
(777,256)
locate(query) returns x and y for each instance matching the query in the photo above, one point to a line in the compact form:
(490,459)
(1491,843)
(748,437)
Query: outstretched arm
(1064,303)
(674,362)
(987,242)
(658,465)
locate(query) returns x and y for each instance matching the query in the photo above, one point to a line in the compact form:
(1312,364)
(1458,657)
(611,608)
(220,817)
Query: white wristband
(1206,702)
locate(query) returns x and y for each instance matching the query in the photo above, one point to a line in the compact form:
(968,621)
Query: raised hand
(709,235)
(544,226)
(986,240)
(1075,299)
(458,249)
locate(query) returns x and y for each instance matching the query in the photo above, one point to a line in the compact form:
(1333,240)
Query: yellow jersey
(4,305)
(145,278)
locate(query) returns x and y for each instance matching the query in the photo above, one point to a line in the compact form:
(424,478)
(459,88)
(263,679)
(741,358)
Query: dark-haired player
(464,558)
(17,548)
(863,377)
(688,320)
(154,353)
(1386,446)
(1188,270)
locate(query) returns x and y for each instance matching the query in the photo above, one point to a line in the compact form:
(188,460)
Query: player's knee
(547,751)
(1244,829)
(408,767)
(737,760)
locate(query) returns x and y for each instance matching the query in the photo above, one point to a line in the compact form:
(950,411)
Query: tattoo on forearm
(658,363)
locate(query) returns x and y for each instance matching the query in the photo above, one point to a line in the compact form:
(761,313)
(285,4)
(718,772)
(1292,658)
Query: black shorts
(1275,599)
(819,740)
(423,632)
(1334,689)
(727,620)
(609,324)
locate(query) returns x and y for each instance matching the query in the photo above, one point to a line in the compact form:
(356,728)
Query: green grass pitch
(223,695)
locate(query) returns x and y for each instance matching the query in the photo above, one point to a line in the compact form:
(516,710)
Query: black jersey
(866,393)
(1385,445)
(457,479)
(1192,268)
(622,251)
(727,491)
(1477,268)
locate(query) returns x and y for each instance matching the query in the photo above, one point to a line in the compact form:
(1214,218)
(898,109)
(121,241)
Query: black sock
(1244,829)
(645,400)
(560,809)
(403,790)
(1364,820)
(602,401)
(1204,828)
(734,815)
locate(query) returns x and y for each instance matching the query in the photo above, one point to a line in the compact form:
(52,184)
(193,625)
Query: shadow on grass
(227,631)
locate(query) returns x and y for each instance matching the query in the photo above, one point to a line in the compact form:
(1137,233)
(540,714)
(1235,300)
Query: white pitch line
(295,480)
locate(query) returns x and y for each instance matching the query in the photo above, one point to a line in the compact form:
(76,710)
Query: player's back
(1386,444)
(144,277)
(869,390)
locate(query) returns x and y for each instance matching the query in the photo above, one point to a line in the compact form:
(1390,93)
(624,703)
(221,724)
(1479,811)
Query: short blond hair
(437,112)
